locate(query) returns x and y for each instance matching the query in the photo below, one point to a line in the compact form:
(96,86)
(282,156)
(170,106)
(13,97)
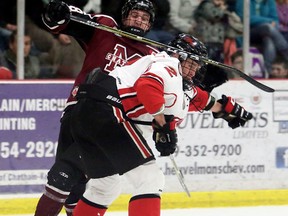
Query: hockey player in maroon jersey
(112,118)
(103,50)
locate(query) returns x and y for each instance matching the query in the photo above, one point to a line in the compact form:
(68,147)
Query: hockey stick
(179,175)
(171,49)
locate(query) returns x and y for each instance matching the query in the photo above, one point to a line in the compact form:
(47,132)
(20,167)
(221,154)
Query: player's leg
(62,177)
(64,142)
(51,202)
(58,187)
(148,182)
(120,147)
(99,195)
(104,185)
(74,196)
(100,191)
(136,160)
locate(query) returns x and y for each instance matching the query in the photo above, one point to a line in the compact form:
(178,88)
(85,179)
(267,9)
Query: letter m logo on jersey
(171,71)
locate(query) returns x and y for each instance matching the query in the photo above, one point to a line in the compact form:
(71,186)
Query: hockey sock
(50,203)
(74,196)
(87,208)
(144,205)
(69,208)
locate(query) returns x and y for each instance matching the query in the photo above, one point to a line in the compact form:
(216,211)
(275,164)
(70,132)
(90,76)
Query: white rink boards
(214,157)
(216,161)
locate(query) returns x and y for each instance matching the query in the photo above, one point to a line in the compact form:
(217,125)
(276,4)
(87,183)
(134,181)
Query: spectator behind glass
(255,64)
(282,10)
(7,23)
(279,69)
(264,29)
(93,6)
(31,63)
(160,31)
(60,56)
(211,23)
(237,60)
(5,73)
(182,15)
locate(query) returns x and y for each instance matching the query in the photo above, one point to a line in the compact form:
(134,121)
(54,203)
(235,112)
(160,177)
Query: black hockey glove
(232,112)
(165,137)
(57,13)
(209,77)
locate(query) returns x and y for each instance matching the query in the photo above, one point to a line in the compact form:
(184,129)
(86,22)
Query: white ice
(234,211)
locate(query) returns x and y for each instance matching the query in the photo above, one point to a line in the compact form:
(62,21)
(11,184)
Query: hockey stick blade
(171,49)
(179,175)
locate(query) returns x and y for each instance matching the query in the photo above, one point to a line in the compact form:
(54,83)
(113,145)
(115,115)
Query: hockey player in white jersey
(156,90)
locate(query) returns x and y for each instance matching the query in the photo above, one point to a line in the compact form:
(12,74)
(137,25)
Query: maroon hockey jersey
(103,49)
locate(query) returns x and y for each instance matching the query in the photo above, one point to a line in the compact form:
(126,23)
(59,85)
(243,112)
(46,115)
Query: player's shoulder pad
(165,66)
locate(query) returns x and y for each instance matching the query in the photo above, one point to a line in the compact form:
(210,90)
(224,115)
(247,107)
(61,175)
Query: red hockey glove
(165,137)
(57,12)
(232,112)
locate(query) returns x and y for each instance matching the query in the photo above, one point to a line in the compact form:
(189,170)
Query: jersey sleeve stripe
(153,76)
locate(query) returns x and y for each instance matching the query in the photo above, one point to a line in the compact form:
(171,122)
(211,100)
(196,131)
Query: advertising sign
(213,156)
(210,155)
(29,125)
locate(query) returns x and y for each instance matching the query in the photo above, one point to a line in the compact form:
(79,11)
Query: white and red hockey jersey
(154,83)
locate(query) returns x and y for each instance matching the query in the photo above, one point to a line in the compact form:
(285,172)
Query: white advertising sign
(214,157)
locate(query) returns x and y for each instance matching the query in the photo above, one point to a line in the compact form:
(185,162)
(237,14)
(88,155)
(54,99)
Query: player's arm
(201,101)
(225,108)
(232,112)
(150,92)
(56,18)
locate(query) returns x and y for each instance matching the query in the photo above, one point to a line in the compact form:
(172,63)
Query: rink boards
(221,166)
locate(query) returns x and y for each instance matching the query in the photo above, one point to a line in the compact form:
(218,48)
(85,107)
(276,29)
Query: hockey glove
(165,137)
(232,112)
(57,12)
(209,77)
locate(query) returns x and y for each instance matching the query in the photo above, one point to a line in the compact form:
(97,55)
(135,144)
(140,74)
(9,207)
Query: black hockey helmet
(205,80)
(144,5)
(190,44)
